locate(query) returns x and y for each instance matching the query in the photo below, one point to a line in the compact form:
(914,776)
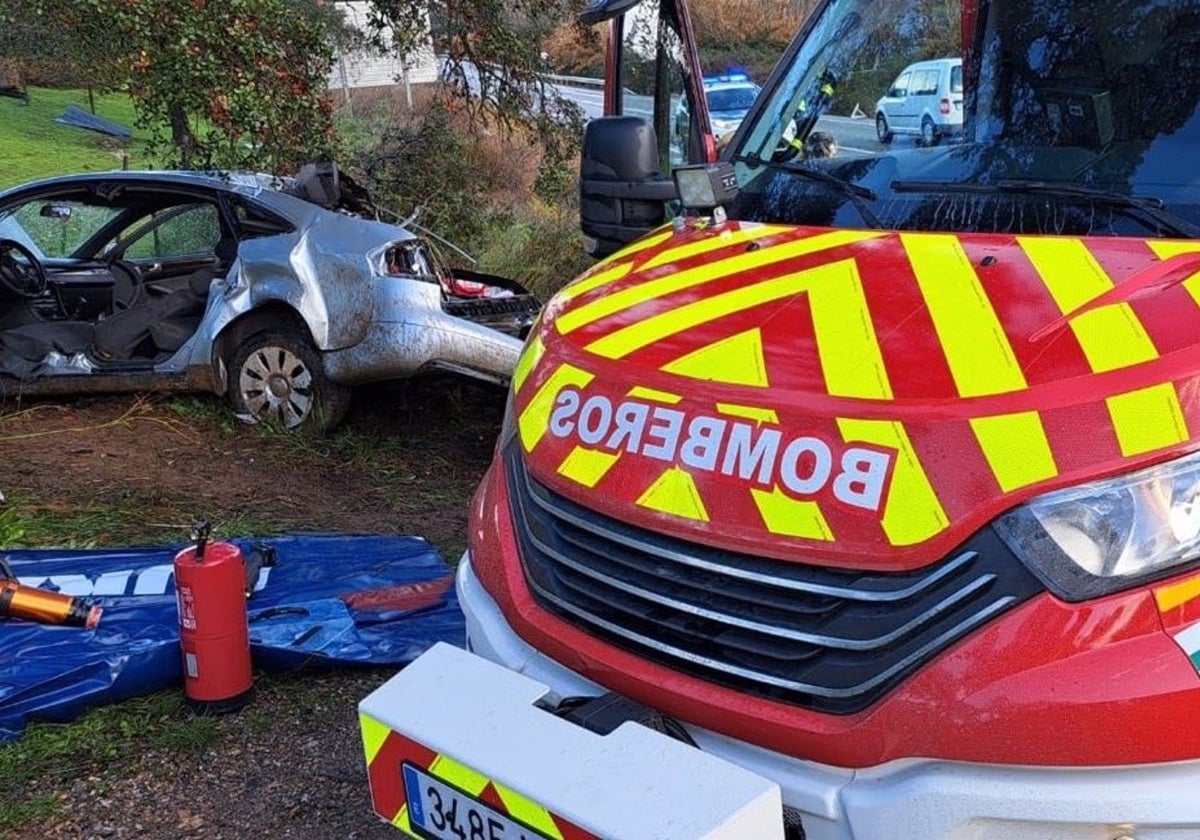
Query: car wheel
(929,133)
(277,377)
(881,129)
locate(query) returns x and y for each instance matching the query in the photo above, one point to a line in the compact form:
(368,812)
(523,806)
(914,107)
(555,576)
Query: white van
(925,101)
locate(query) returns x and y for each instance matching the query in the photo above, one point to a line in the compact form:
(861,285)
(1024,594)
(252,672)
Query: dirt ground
(126,470)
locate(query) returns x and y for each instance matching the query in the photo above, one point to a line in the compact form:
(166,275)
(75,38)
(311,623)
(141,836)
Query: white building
(367,69)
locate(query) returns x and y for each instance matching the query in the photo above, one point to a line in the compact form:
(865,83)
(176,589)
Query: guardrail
(576,81)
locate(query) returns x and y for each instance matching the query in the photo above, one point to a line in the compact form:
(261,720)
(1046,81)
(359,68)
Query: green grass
(59,753)
(133,517)
(33,146)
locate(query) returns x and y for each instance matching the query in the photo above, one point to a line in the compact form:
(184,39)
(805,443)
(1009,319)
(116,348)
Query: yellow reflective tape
(737,360)
(593,281)
(1148,419)
(1016,448)
(750,412)
(675,492)
(374,734)
(528,812)
(530,356)
(459,775)
(655,395)
(1177,594)
(1166,250)
(846,342)
(791,517)
(401,822)
(716,270)
(1112,336)
(912,512)
(976,346)
(536,416)
(713,243)
(645,243)
(587,466)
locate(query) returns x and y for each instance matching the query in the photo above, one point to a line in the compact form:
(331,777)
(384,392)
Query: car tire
(929,133)
(882,130)
(277,377)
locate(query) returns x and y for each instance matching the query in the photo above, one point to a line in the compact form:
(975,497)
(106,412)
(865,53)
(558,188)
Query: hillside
(33,146)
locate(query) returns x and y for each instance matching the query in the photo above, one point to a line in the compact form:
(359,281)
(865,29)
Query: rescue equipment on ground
(210,584)
(41,605)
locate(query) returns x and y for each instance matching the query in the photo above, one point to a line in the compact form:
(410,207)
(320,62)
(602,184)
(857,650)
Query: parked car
(925,101)
(266,290)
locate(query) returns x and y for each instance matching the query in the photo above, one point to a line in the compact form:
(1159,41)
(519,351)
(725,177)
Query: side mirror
(622,194)
(55,211)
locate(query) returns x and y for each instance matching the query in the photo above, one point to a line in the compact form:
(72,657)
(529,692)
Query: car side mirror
(55,211)
(622,194)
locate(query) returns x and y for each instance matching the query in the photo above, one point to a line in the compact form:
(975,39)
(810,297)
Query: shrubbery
(493,192)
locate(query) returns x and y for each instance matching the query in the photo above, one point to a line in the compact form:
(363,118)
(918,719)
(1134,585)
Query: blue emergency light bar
(719,78)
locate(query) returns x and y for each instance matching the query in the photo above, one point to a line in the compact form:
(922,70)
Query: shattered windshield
(1064,117)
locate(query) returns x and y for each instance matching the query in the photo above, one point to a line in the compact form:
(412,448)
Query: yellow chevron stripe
(675,492)
(655,395)
(912,512)
(374,734)
(530,356)
(594,280)
(1148,419)
(750,412)
(976,346)
(717,270)
(528,812)
(738,360)
(587,466)
(846,343)
(1016,448)
(849,352)
(1112,336)
(1177,594)
(791,517)
(1166,250)
(401,822)
(654,237)
(460,775)
(713,243)
(534,419)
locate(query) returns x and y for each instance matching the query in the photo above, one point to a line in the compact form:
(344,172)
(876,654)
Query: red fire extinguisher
(210,580)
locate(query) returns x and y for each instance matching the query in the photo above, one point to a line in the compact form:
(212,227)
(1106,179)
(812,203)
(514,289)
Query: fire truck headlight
(1104,536)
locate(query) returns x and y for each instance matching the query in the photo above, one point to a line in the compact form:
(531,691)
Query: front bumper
(910,798)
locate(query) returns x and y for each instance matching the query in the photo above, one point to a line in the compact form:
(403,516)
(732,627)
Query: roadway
(856,135)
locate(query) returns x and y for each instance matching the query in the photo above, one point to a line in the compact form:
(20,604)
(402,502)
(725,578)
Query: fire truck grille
(833,640)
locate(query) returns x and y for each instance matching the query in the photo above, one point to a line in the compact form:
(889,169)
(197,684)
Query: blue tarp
(330,599)
(76,117)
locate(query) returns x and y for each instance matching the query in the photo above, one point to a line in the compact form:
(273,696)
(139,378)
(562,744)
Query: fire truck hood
(858,398)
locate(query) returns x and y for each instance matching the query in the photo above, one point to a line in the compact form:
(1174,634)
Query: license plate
(441,811)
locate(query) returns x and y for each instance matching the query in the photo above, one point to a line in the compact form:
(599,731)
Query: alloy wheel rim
(276,384)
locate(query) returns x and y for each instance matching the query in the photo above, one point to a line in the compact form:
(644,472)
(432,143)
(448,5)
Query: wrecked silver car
(265,290)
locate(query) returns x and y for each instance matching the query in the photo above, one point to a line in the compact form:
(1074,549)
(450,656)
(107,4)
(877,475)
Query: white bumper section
(913,799)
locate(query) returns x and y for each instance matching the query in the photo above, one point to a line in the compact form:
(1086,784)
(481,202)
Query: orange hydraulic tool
(33,604)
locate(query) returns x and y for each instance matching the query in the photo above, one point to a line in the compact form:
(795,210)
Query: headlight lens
(1108,535)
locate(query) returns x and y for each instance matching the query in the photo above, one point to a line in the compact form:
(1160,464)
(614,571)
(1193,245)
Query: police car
(729,96)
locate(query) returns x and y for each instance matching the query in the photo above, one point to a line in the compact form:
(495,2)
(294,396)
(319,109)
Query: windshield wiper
(1149,210)
(858,194)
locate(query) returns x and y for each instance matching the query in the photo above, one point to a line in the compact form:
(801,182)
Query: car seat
(156,324)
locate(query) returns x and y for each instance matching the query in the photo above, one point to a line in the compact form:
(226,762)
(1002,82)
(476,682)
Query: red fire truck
(861,475)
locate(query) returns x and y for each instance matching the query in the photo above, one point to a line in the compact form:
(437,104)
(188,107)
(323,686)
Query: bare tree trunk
(182,137)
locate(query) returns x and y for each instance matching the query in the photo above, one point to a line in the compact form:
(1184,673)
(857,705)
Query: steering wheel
(21,273)
(128,287)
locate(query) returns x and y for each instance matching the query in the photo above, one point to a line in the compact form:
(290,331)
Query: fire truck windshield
(1063,117)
